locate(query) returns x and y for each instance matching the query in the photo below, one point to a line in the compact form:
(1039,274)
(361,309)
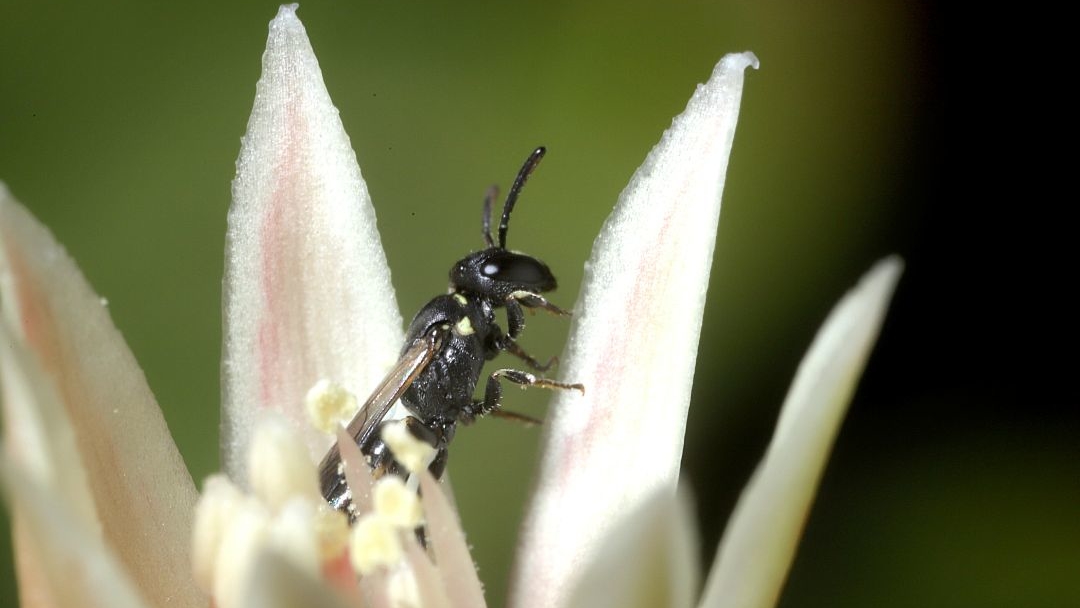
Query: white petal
(307,288)
(650,560)
(759,544)
(38,434)
(41,443)
(143,495)
(447,539)
(78,569)
(633,344)
(422,577)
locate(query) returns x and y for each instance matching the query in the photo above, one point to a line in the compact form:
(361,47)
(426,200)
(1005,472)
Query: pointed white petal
(633,344)
(448,544)
(75,566)
(142,492)
(759,544)
(650,560)
(307,289)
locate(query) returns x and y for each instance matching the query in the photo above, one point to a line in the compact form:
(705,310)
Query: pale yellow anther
(332,531)
(397,503)
(217,506)
(374,543)
(413,454)
(279,466)
(329,405)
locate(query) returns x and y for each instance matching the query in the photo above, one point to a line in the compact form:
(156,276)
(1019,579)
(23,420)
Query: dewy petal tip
(740,61)
(633,344)
(285,11)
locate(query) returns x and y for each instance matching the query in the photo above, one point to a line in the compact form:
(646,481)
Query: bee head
(497,272)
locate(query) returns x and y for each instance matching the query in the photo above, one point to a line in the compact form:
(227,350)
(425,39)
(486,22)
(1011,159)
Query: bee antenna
(515,190)
(489,197)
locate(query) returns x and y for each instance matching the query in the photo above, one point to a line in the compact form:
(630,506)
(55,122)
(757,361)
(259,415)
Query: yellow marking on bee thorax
(464,327)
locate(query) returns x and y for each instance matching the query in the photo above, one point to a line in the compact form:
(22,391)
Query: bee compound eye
(519,269)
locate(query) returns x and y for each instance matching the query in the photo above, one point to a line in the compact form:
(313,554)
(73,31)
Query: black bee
(446,346)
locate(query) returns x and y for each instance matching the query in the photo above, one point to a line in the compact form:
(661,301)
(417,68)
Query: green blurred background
(955,479)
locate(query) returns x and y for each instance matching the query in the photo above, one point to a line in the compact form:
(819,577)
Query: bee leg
(515,314)
(505,343)
(493,392)
(515,319)
(515,324)
(517,417)
(529,299)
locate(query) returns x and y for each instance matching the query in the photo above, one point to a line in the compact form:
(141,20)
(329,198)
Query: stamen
(332,531)
(217,507)
(374,543)
(329,404)
(397,503)
(413,454)
(284,514)
(293,535)
(245,536)
(402,589)
(279,466)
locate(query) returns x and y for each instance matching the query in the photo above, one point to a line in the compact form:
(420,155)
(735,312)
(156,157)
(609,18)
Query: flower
(103,507)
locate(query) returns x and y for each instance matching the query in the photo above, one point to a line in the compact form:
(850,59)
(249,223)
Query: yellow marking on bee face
(460,299)
(464,327)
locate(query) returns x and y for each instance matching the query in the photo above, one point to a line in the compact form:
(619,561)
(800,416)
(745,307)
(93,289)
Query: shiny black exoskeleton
(446,346)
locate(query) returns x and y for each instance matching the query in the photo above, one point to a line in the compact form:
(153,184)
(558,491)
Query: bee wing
(363,426)
(411,364)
